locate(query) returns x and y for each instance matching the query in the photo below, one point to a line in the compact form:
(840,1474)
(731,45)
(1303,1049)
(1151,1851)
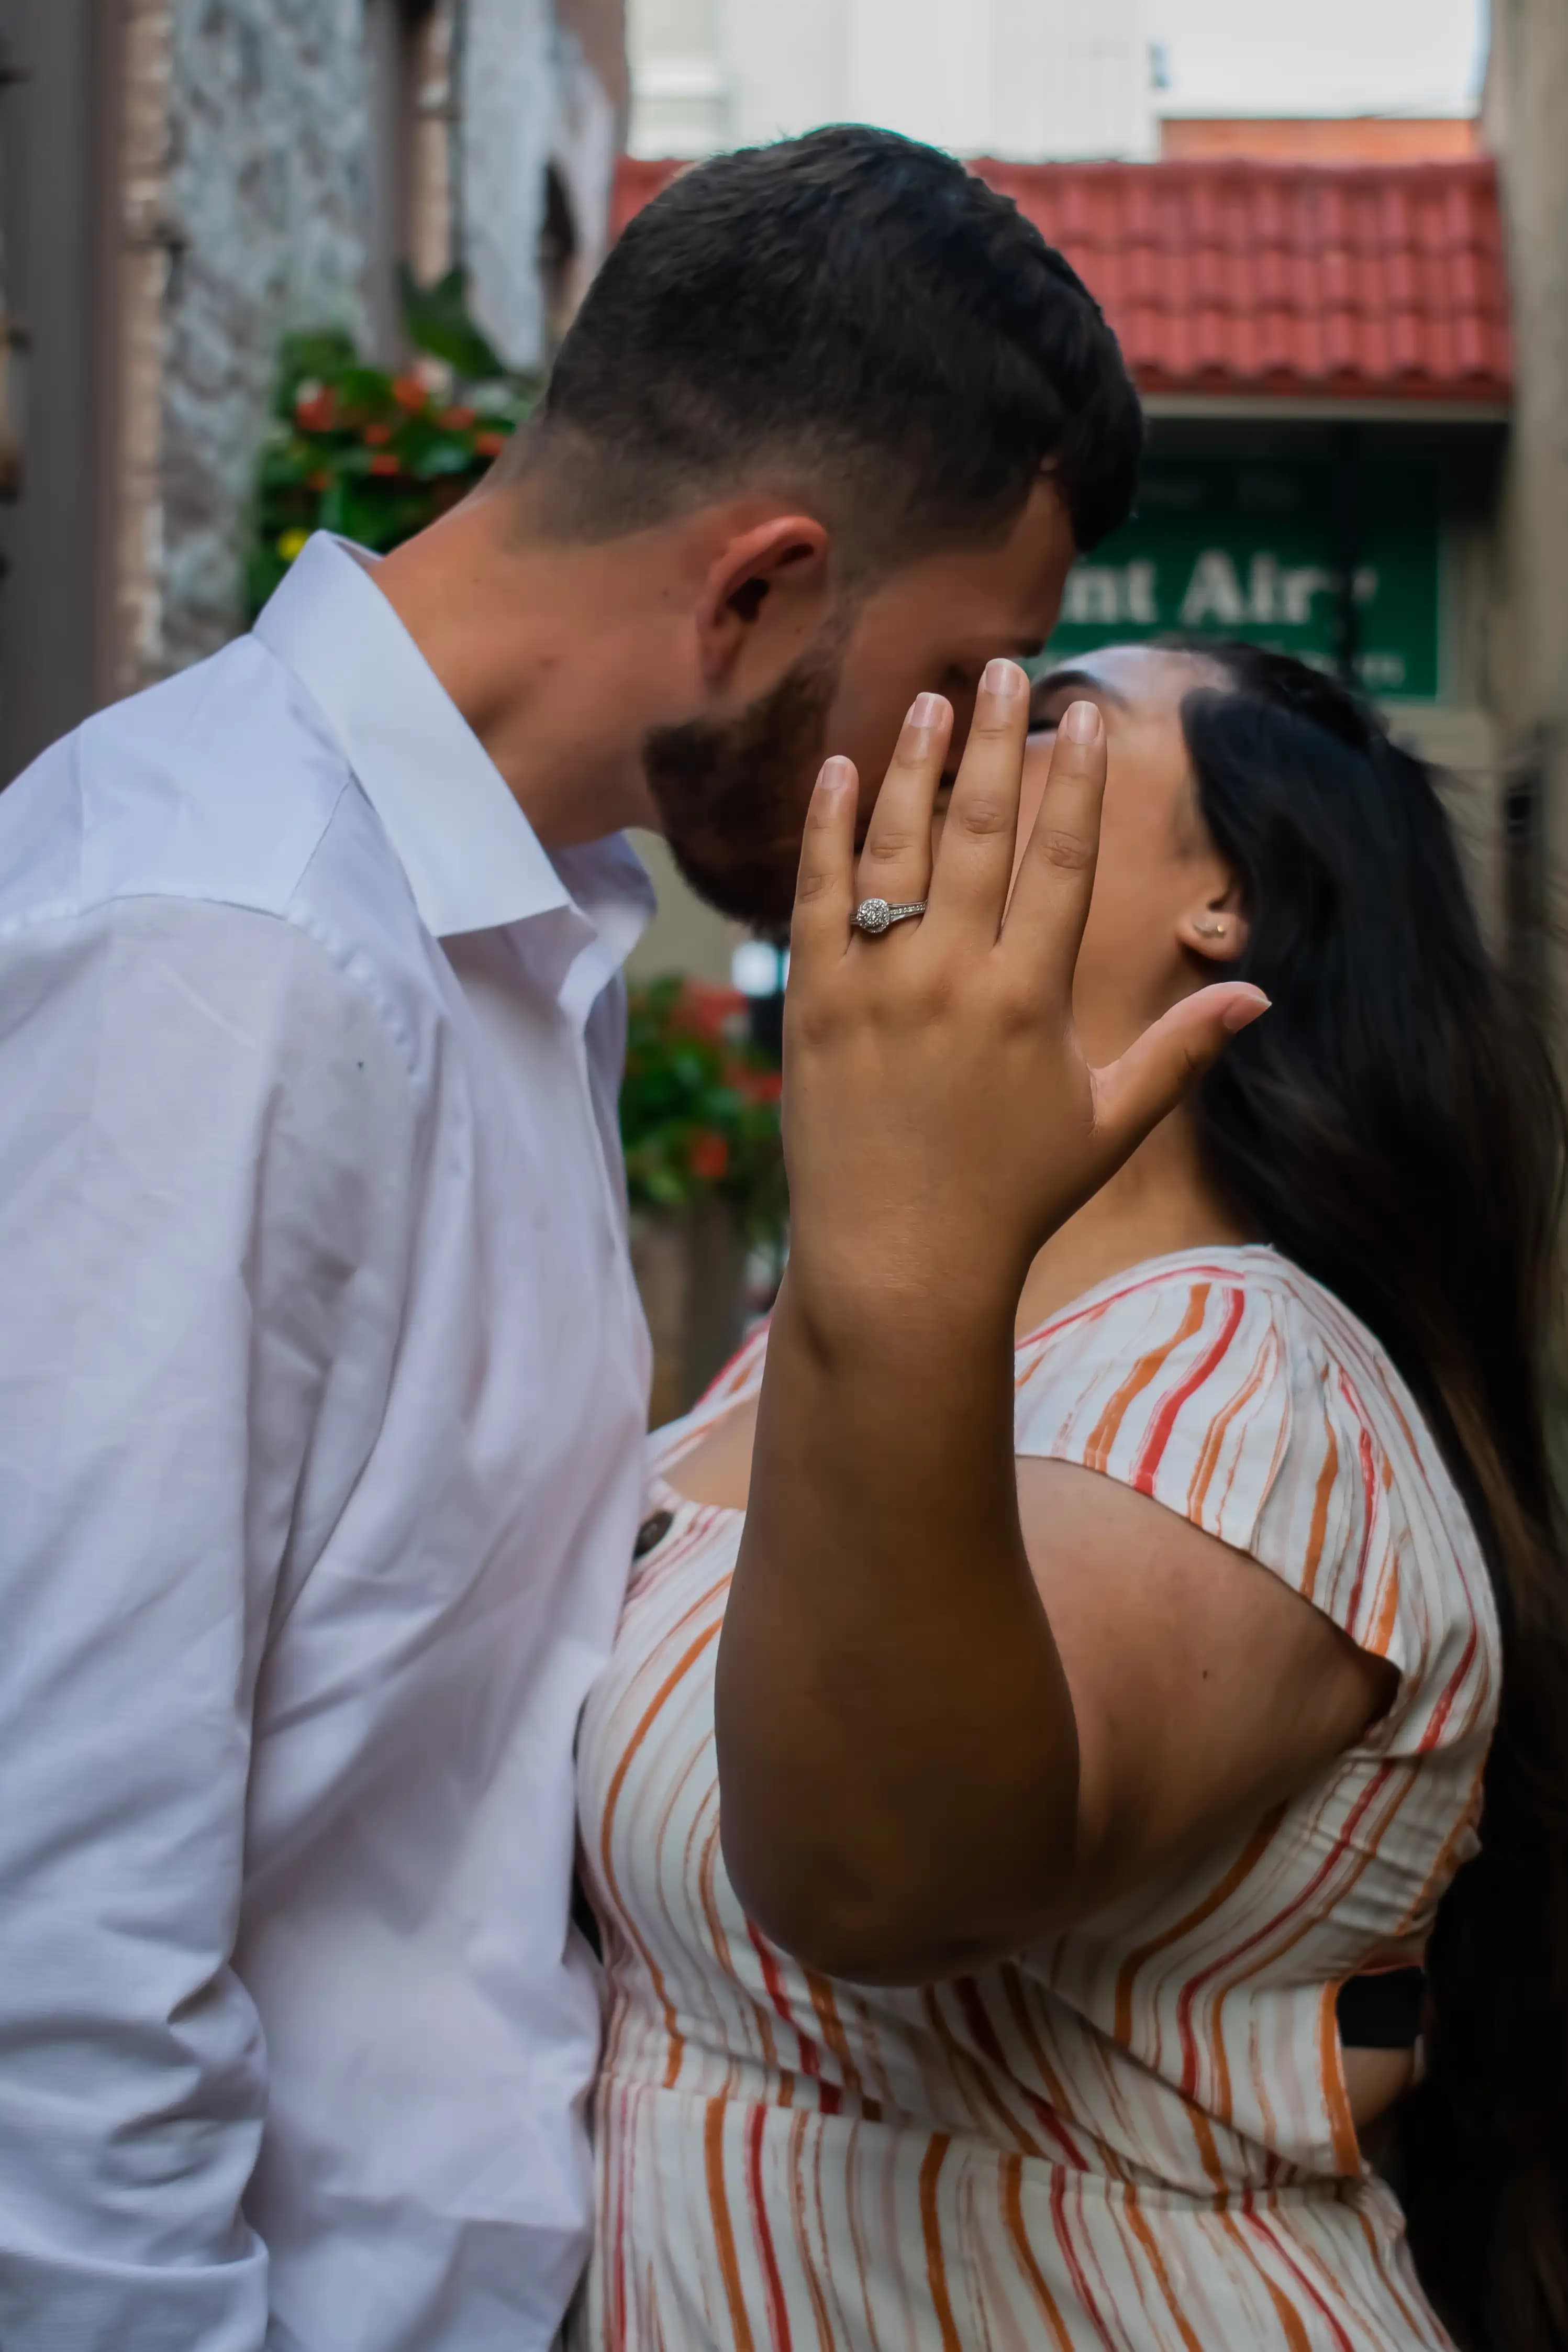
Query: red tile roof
(1305,281)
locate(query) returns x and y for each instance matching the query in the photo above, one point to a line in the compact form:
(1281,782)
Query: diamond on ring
(873,916)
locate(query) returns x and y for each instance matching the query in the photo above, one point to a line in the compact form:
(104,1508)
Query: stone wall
(254,184)
(534,93)
(506,86)
(265,200)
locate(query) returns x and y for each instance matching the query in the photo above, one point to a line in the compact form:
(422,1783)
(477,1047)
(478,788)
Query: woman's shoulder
(1230,1386)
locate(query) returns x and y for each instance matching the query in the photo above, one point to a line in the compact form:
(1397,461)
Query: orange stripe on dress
(1264,1364)
(1029,2262)
(837,2041)
(1369,1482)
(828,2098)
(1146,1469)
(723,2230)
(1318,1534)
(970,2076)
(1267,2229)
(1146,2240)
(1336,2096)
(606,1834)
(1285,2311)
(1103,1435)
(1240,1871)
(971,2000)
(1061,2110)
(931,2227)
(1420,2327)
(1265,1935)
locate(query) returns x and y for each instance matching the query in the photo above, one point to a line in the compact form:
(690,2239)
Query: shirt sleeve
(1218,1398)
(204,1139)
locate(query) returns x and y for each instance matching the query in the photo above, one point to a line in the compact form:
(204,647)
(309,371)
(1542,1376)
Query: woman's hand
(941,1121)
(899,1762)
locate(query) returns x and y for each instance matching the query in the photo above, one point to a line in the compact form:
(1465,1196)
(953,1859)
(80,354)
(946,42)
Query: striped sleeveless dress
(1136,2137)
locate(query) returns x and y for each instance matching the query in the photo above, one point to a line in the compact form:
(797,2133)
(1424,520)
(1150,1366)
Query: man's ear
(771,580)
(1215,926)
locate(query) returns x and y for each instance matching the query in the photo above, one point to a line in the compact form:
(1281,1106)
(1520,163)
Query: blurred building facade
(1525,108)
(1012,77)
(181,182)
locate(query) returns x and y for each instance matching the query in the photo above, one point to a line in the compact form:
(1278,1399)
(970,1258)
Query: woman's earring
(1215,929)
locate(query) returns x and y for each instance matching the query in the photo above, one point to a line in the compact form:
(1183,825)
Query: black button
(652,1534)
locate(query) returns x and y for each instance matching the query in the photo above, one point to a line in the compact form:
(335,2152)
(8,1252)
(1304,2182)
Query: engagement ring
(874,915)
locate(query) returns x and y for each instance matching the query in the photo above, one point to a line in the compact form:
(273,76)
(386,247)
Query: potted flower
(377,453)
(705,1171)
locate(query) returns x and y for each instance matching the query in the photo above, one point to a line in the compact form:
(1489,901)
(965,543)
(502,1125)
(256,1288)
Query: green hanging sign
(1251,549)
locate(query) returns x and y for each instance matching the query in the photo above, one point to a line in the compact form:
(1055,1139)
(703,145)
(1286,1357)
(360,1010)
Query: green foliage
(436,321)
(699,1109)
(356,449)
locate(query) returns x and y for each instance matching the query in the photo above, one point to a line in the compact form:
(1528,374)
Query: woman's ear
(1215,926)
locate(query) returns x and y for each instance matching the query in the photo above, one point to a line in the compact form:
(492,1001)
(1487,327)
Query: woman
(1298,1331)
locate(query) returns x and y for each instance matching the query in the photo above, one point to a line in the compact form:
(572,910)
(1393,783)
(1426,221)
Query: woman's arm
(899,1755)
(1203,1693)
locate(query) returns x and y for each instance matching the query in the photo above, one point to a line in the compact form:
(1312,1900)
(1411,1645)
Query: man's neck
(517,636)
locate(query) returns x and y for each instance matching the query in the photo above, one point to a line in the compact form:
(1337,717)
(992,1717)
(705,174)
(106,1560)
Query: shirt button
(651,1533)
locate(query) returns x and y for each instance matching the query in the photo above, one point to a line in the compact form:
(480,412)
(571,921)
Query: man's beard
(733,793)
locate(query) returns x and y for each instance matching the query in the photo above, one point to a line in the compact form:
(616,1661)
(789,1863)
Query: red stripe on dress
(1147,1368)
(1065,2239)
(1270,1928)
(777,2317)
(1017,2231)
(1146,1468)
(828,2097)
(1266,2230)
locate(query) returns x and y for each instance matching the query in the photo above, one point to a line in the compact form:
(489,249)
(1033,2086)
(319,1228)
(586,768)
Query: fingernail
(1242,1011)
(1081,722)
(925,711)
(836,774)
(1004,679)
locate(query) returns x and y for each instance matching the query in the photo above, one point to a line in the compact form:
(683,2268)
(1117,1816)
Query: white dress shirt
(322,1381)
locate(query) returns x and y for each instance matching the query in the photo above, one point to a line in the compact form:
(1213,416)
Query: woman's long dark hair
(1394,1126)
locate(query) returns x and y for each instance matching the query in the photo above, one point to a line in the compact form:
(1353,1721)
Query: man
(321,1369)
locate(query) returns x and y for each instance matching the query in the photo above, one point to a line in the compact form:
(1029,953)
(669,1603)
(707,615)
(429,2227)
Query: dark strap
(1382,2011)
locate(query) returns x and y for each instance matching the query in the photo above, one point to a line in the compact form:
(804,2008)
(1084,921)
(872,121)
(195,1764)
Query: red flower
(489,445)
(386,464)
(709,1011)
(409,392)
(377,436)
(455,420)
(709,1155)
(316,410)
(762,1085)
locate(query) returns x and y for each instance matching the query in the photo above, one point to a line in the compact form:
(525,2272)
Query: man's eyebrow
(1057,681)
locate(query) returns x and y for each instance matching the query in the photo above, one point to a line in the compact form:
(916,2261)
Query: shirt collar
(473,860)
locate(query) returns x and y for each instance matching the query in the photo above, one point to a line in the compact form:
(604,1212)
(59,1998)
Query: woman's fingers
(824,888)
(1134,1094)
(895,863)
(974,863)
(1050,903)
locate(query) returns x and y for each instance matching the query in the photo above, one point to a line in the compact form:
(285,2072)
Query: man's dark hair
(854,313)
